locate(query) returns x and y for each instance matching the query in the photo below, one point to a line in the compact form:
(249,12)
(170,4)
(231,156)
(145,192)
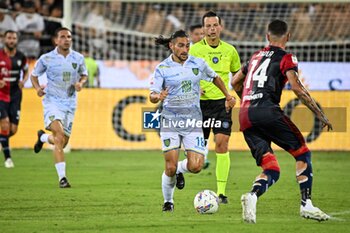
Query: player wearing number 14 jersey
(259,84)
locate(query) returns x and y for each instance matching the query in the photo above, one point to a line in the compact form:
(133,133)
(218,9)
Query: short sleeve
(236,62)
(288,62)
(39,67)
(82,68)
(156,81)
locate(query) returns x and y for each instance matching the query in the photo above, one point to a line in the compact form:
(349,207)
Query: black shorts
(215,109)
(282,131)
(4,109)
(11,109)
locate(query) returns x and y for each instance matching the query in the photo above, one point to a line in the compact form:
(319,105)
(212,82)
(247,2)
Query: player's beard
(10,47)
(182,57)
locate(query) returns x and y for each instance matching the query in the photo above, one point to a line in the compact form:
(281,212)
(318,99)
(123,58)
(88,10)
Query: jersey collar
(206,43)
(170,60)
(56,52)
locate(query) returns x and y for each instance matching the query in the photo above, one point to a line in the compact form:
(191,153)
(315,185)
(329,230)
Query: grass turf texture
(119,191)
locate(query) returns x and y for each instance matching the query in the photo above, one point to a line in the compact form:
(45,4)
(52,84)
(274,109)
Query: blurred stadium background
(119,36)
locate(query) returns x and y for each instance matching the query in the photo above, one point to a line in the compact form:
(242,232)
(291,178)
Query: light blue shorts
(56,111)
(193,141)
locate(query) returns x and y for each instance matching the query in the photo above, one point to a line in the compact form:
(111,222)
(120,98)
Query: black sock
(4,140)
(305,185)
(260,186)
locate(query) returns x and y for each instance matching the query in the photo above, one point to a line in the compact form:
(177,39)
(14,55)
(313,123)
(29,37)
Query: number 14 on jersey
(259,74)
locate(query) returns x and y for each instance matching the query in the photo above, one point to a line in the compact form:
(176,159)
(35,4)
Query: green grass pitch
(119,191)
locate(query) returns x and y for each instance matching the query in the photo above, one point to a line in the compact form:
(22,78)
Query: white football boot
(9,163)
(312,212)
(249,201)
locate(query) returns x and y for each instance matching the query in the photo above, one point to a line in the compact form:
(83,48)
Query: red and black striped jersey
(11,70)
(265,79)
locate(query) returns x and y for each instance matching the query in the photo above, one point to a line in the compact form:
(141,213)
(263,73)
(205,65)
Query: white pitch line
(337,219)
(340,213)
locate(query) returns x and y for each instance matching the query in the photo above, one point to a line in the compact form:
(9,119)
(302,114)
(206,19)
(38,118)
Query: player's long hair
(161,40)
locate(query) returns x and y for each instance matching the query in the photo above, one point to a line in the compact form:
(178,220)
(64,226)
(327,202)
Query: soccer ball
(206,202)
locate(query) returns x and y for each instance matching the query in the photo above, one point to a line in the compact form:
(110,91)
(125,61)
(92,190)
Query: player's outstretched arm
(230,100)
(301,92)
(35,82)
(237,82)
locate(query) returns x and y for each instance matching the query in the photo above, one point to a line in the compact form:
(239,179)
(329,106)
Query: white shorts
(193,141)
(65,115)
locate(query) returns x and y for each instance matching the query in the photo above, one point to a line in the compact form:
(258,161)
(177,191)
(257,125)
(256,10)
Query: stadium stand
(125,30)
(35,21)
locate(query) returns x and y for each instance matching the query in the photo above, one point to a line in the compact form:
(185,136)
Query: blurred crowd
(115,29)
(242,21)
(34,20)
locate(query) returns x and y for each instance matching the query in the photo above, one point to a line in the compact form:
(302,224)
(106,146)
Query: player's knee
(195,168)
(221,146)
(59,139)
(5,127)
(13,131)
(170,169)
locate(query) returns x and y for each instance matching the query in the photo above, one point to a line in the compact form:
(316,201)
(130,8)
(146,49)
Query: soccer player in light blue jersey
(66,73)
(176,83)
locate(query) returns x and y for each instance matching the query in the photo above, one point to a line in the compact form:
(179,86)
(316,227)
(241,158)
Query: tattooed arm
(305,97)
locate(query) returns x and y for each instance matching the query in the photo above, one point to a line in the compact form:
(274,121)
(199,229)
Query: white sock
(44,138)
(61,169)
(182,166)
(206,152)
(168,187)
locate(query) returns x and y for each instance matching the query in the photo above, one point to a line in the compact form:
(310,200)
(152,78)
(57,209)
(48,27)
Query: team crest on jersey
(294,59)
(74,65)
(52,117)
(19,62)
(166,142)
(215,60)
(195,71)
